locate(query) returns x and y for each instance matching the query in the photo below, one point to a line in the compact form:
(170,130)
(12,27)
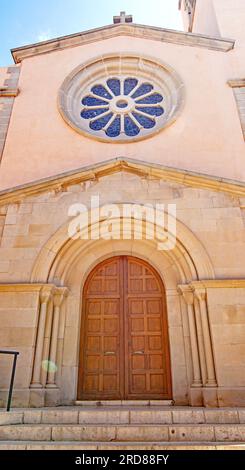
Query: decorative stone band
(238,86)
(7,94)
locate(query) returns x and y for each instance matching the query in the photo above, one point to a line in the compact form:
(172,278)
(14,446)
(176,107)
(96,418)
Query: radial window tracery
(121,98)
(122,106)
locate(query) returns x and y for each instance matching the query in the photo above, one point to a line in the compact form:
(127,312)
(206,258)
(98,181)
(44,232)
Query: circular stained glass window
(121,99)
(122,106)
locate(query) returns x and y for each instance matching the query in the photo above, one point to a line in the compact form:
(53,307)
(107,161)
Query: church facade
(122,198)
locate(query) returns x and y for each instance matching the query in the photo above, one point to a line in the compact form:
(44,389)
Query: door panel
(124,342)
(101,351)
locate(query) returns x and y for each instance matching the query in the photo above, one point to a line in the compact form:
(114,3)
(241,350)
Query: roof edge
(141,168)
(113,30)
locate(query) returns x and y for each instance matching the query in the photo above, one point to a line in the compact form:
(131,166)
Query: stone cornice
(219,284)
(131,30)
(140,168)
(236,83)
(6,92)
(21,287)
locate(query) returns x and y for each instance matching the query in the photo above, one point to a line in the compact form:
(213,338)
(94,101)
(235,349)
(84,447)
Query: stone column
(200,293)
(189,299)
(59,295)
(45,296)
(200,341)
(46,342)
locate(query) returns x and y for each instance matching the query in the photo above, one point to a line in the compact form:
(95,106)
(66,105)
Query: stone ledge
(220,284)
(6,92)
(131,30)
(237,83)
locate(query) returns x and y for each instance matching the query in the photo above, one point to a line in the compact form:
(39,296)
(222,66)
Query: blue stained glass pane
(91,101)
(100,90)
(115,128)
(142,90)
(130,127)
(100,122)
(152,99)
(152,110)
(91,113)
(114,85)
(146,122)
(129,85)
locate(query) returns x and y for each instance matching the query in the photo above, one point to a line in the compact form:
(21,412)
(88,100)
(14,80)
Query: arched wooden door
(124,351)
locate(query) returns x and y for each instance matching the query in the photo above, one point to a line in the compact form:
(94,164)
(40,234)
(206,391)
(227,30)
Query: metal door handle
(138,352)
(110,353)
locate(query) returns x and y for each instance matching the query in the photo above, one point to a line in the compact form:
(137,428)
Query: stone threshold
(124,403)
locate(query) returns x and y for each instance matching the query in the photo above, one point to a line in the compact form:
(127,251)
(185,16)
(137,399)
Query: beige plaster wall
(204,138)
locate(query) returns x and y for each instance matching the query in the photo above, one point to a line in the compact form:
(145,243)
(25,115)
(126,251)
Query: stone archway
(67,262)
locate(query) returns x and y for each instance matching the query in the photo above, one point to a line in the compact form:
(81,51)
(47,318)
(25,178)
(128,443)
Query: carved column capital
(200,293)
(45,294)
(187,293)
(59,294)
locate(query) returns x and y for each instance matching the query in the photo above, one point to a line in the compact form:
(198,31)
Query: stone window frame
(79,82)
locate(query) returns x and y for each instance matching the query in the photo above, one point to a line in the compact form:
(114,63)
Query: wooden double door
(124,351)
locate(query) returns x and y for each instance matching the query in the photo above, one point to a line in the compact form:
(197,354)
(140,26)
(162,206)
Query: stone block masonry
(8,92)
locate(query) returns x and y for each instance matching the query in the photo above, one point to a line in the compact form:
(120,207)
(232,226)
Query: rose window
(121,99)
(122,106)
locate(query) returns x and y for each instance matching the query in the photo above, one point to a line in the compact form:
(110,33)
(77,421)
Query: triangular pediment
(142,169)
(132,30)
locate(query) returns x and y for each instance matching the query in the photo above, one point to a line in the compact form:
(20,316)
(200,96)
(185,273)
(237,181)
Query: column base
(196,396)
(210,397)
(37,397)
(52,396)
(211,384)
(36,386)
(196,385)
(54,386)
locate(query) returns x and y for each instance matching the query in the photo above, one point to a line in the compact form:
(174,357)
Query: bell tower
(218,18)
(199,17)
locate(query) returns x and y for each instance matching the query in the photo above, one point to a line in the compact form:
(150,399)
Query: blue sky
(28,21)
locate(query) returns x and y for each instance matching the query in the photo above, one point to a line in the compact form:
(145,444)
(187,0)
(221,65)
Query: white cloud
(44,36)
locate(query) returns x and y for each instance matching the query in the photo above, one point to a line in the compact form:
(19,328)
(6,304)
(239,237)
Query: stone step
(125,403)
(82,446)
(123,415)
(125,433)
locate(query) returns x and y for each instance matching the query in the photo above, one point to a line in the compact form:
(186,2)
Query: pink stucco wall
(206,137)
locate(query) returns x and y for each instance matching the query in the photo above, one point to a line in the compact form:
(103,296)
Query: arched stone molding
(189,253)
(67,262)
